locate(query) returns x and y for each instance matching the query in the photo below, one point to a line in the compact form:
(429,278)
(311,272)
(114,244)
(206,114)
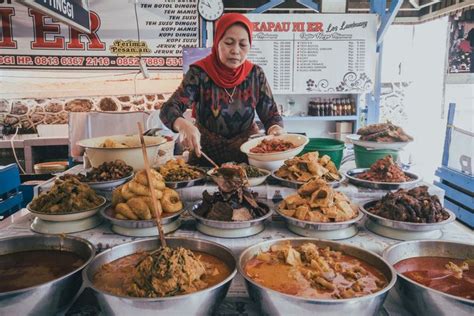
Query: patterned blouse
(212,105)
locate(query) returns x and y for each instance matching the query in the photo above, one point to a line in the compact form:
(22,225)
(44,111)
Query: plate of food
(413,210)
(178,174)
(68,200)
(106,176)
(233,211)
(317,210)
(380,136)
(271,148)
(255,176)
(384,174)
(297,171)
(131,212)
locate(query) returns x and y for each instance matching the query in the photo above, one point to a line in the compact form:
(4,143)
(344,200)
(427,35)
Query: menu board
(323,53)
(31,39)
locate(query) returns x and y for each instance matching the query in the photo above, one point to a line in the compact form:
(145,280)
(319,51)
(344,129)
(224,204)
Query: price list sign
(322,53)
(30,39)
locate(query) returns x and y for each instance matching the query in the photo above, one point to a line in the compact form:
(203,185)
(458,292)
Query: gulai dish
(269,145)
(25,269)
(161,273)
(314,272)
(308,166)
(384,170)
(383,133)
(177,170)
(316,201)
(448,275)
(133,199)
(415,206)
(233,201)
(107,171)
(66,196)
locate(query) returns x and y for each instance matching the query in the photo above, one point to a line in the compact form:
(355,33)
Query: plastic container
(326,146)
(364,158)
(50,167)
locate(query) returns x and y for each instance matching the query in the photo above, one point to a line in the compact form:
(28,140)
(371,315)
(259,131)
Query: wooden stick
(156,206)
(209,159)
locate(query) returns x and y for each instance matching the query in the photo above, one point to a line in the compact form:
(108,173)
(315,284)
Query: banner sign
(71,12)
(30,39)
(307,53)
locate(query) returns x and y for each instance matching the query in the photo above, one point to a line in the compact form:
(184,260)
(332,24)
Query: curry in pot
(20,270)
(448,275)
(161,273)
(312,272)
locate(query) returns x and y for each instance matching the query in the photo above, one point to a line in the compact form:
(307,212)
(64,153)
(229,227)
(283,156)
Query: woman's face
(234,46)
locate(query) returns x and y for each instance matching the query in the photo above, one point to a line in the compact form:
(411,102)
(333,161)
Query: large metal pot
(199,303)
(420,299)
(272,302)
(48,298)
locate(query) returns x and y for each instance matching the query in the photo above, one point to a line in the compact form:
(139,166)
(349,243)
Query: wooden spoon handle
(156,206)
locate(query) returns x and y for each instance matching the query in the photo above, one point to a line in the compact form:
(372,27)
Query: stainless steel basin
(199,303)
(420,299)
(52,297)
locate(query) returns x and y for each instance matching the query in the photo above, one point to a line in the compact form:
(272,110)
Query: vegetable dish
(161,273)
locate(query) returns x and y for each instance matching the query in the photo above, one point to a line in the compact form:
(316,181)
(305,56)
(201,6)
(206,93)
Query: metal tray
(225,229)
(297,184)
(334,230)
(352,177)
(404,226)
(188,183)
(107,213)
(108,185)
(355,139)
(185,184)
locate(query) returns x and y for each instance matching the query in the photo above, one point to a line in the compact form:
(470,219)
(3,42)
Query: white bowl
(267,165)
(298,140)
(132,155)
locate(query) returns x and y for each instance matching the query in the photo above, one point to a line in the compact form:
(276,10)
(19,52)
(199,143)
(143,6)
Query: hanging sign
(323,53)
(30,39)
(71,12)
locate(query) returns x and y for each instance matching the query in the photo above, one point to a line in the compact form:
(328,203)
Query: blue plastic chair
(10,196)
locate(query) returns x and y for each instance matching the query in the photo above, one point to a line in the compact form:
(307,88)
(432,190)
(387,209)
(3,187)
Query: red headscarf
(222,75)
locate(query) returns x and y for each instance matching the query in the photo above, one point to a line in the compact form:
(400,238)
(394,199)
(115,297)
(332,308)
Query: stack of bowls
(326,146)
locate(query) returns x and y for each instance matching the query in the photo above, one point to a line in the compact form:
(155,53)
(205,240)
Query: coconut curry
(312,272)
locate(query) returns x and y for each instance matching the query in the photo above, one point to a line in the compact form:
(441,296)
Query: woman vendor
(224,91)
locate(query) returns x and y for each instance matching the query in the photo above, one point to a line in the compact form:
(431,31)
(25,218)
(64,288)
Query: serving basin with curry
(41,275)
(435,277)
(302,276)
(112,277)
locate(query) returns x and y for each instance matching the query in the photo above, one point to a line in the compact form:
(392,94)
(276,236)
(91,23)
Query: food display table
(237,301)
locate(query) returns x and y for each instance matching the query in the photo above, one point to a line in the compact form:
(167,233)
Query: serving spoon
(156,207)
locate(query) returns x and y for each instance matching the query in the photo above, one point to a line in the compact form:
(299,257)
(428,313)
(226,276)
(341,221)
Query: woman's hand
(190,135)
(276,130)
